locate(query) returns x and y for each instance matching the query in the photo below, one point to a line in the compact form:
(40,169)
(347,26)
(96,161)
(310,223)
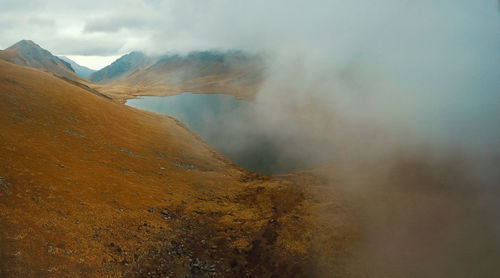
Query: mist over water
(406,95)
(401,99)
(233,127)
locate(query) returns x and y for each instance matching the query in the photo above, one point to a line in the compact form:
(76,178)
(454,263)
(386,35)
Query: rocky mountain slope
(82,71)
(122,66)
(28,53)
(93,188)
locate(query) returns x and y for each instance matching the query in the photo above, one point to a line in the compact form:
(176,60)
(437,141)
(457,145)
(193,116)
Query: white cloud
(92,62)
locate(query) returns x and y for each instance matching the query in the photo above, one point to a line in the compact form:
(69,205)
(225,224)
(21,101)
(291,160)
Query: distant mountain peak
(28,53)
(136,53)
(30,42)
(24,43)
(82,71)
(123,65)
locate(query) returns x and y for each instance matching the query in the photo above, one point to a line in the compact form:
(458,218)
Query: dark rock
(74,133)
(3,183)
(187,166)
(160,154)
(130,153)
(166,214)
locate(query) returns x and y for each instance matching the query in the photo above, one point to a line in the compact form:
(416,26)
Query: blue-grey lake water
(239,130)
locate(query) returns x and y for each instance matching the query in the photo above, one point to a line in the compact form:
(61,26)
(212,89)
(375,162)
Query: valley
(94,188)
(233,127)
(213,164)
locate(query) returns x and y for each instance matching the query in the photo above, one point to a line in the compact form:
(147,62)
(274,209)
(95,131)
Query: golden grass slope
(93,188)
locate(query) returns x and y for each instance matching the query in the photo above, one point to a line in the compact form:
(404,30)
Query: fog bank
(405,96)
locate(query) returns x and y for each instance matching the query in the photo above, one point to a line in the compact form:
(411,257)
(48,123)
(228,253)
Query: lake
(240,130)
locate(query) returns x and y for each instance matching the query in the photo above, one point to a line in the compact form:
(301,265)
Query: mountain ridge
(230,72)
(119,67)
(28,53)
(82,71)
(136,74)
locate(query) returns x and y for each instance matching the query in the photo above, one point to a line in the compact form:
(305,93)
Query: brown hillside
(93,188)
(243,81)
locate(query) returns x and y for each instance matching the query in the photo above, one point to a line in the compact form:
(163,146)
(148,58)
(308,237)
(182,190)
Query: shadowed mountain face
(79,69)
(233,72)
(124,65)
(28,53)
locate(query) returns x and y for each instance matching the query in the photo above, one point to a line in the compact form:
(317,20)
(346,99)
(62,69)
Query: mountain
(82,71)
(122,66)
(28,53)
(231,72)
(94,188)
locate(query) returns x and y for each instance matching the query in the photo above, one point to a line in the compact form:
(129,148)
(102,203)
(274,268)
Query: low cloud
(383,82)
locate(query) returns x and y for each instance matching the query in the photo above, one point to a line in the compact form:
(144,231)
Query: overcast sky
(115,27)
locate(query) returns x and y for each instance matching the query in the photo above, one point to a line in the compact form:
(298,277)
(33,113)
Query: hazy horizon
(92,62)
